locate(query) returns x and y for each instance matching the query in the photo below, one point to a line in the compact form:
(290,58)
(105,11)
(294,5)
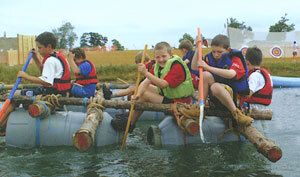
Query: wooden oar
(7,101)
(132,105)
(200,87)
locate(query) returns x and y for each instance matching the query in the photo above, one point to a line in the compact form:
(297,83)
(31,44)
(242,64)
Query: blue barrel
(167,133)
(56,130)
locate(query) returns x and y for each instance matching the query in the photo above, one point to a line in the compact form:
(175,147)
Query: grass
(120,64)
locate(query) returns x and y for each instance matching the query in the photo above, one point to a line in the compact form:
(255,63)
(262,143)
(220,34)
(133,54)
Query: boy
(224,66)
(172,79)
(130,90)
(85,73)
(259,79)
(186,48)
(54,67)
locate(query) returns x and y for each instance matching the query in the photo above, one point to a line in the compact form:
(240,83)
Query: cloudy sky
(135,23)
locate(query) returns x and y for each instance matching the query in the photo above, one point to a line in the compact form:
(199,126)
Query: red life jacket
(264,95)
(90,79)
(64,83)
(150,65)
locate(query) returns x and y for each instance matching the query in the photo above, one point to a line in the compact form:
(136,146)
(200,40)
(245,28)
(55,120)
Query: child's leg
(208,80)
(148,96)
(125,92)
(219,91)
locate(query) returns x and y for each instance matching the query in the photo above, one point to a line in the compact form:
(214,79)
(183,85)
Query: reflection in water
(141,159)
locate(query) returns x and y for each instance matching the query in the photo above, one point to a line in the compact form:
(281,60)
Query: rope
(85,100)
(231,128)
(95,105)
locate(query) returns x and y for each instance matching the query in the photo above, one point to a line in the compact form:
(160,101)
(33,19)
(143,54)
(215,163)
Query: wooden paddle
(200,88)
(132,105)
(7,101)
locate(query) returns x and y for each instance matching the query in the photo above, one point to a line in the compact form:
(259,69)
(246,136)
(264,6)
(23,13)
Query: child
(259,79)
(130,90)
(294,46)
(186,48)
(85,73)
(172,79)
(54,67)
(224,66)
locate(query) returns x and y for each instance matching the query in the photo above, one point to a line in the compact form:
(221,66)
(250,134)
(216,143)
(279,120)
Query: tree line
(67,37)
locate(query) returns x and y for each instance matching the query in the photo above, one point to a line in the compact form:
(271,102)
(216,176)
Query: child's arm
(157,81)
(228,74)
(73,65)
(187,61)
(37,59)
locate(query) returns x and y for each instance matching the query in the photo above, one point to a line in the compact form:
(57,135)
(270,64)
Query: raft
(56,130)
(285,81)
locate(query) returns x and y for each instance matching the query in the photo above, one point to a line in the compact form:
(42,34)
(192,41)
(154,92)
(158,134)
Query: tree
(92,39)
(238,37)
(233,23)
(186,36)
(117,44)
(65,36)
(280,26)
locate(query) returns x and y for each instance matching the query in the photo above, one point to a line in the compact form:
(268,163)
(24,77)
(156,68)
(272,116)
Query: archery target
(244,50)
(276,52)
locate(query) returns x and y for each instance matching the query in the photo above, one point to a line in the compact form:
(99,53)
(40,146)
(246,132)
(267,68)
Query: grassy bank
(128,72)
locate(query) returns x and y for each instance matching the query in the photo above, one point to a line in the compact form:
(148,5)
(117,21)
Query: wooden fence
(19,56)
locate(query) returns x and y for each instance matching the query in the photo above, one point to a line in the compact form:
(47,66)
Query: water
(141,159)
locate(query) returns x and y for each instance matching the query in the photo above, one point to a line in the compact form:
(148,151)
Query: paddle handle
(200,87)
(132,105)
(12,92)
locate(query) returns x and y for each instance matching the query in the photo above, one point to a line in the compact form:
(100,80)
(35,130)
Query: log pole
(84,137)
(263,145)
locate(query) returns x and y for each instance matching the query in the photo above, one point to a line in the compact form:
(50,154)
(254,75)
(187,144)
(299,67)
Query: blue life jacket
(238,85)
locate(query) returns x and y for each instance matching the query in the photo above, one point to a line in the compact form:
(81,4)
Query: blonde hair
(138,57)
(163,46)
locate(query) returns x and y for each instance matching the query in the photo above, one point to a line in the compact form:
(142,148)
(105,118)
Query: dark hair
(254,56)
(163,46)
(47,38)
(79,53)
(186,44)
(221,40)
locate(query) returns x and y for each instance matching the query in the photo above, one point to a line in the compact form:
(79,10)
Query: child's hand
(134,99)
(22,74)
(198,39)
(202,64)
(71,55)
(141,68)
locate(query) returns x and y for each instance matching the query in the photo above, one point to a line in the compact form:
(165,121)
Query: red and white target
(276,52)
(244,50)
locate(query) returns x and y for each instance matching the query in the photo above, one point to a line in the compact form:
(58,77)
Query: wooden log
(113,86)
(84,138)
(22,86)
(39,110)
(156,107)
(263,145)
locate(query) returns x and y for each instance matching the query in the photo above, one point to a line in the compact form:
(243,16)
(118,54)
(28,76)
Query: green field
(120,64)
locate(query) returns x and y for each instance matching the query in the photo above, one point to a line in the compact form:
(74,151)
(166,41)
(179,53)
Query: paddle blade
(4,108)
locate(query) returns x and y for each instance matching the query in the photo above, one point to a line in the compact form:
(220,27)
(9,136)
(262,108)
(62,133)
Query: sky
(135,23)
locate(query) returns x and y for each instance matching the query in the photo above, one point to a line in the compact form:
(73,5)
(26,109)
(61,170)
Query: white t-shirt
(53,69)
(256,82)
(294,46)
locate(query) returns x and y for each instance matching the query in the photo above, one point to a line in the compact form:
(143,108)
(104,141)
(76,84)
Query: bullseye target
(244,50)
(276,52)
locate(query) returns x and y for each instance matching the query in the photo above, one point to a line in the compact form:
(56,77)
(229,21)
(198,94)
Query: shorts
(167,100)
(217,103)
